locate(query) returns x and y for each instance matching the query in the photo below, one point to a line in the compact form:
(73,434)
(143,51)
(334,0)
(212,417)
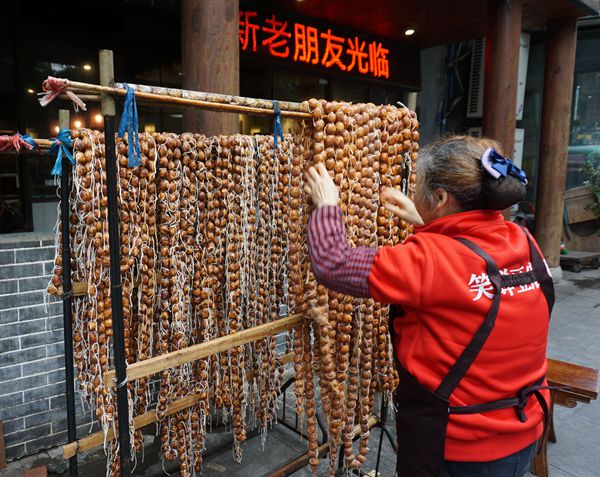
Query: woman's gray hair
(453,163)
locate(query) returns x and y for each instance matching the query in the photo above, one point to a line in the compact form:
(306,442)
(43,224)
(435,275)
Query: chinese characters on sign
(306,44)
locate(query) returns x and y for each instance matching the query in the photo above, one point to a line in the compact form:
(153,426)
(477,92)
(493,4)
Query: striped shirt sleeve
(336,265)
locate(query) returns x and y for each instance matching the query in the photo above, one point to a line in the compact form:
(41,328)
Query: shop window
(585,127)
(295,86)
(356,92)
(584,144)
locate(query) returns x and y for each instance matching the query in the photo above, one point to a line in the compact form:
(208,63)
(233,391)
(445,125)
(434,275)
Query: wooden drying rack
(148,367)
(158,95)
(96,439)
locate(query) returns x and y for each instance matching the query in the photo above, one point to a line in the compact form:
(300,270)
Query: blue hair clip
(498,166)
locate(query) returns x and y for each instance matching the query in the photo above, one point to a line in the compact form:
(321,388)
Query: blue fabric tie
(29,140)
(61,145)
(129,123)
(278,132)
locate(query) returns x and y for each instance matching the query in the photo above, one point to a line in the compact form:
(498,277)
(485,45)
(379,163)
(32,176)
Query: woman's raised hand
(398,204)
(320,186)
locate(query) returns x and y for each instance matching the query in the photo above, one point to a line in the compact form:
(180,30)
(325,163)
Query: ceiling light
(98,118)
(409,32)
(77,124)
(56,129)
(87,67)
(30,91)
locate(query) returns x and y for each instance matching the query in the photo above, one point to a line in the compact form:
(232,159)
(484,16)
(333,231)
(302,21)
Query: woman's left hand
(398,204)
(320,187)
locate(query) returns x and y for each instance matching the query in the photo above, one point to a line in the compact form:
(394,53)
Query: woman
(471,298)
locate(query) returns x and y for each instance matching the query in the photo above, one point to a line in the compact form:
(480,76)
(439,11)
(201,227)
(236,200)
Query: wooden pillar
(501,71)
(561,39)
(210,60)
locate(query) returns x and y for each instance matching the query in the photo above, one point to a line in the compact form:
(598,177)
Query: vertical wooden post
(63,123)
(63,119)
(107,78)
(210,60)
(114,246)
(412,101)
(561,39)
(502,71)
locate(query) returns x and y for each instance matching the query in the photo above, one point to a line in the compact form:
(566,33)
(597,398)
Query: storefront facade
(282,56)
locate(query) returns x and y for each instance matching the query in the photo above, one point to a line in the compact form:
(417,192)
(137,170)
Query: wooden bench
(582,386)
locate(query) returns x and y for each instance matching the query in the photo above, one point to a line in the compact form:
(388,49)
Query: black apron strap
(519,402)
(544,405)
(518,279)
(395,312)
(541,272)
(465,360)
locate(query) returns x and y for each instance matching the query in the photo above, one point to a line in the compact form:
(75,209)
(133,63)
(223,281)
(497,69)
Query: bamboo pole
(210,101)
(77,289)
(45,143)
(96,439)
(157,364)
(218,98)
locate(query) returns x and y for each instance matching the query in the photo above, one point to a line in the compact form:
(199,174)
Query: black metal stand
(116,295)
(382,424)
(67,311)
(322,427)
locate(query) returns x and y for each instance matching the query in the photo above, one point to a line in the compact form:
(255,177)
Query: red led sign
(307,44)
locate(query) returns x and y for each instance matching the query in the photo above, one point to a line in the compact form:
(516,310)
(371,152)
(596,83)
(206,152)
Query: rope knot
(16,142)
(61,144)
(54,87)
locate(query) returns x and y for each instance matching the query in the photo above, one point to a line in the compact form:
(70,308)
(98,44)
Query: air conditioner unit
(475,98)
(475,132)
(475,101)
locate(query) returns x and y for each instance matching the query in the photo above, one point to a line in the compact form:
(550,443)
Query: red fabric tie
(13,142)
(54,87)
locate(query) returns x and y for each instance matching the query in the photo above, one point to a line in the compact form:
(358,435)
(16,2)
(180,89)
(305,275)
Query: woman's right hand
(398,204)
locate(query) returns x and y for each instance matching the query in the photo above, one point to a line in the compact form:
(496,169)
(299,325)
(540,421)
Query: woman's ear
(441,198)
(445,203)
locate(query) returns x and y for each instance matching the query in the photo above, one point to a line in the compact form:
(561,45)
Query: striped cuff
(336,265)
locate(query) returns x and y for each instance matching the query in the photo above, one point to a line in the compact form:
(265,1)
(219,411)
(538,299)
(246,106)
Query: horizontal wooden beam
(209,101)
(81,288)
(96,439)
(77,289)
(157,364)
(45,143)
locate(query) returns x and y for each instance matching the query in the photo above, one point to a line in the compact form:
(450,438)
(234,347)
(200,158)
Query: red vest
(445,294)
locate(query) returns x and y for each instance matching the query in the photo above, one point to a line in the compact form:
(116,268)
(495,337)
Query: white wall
(44,216)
